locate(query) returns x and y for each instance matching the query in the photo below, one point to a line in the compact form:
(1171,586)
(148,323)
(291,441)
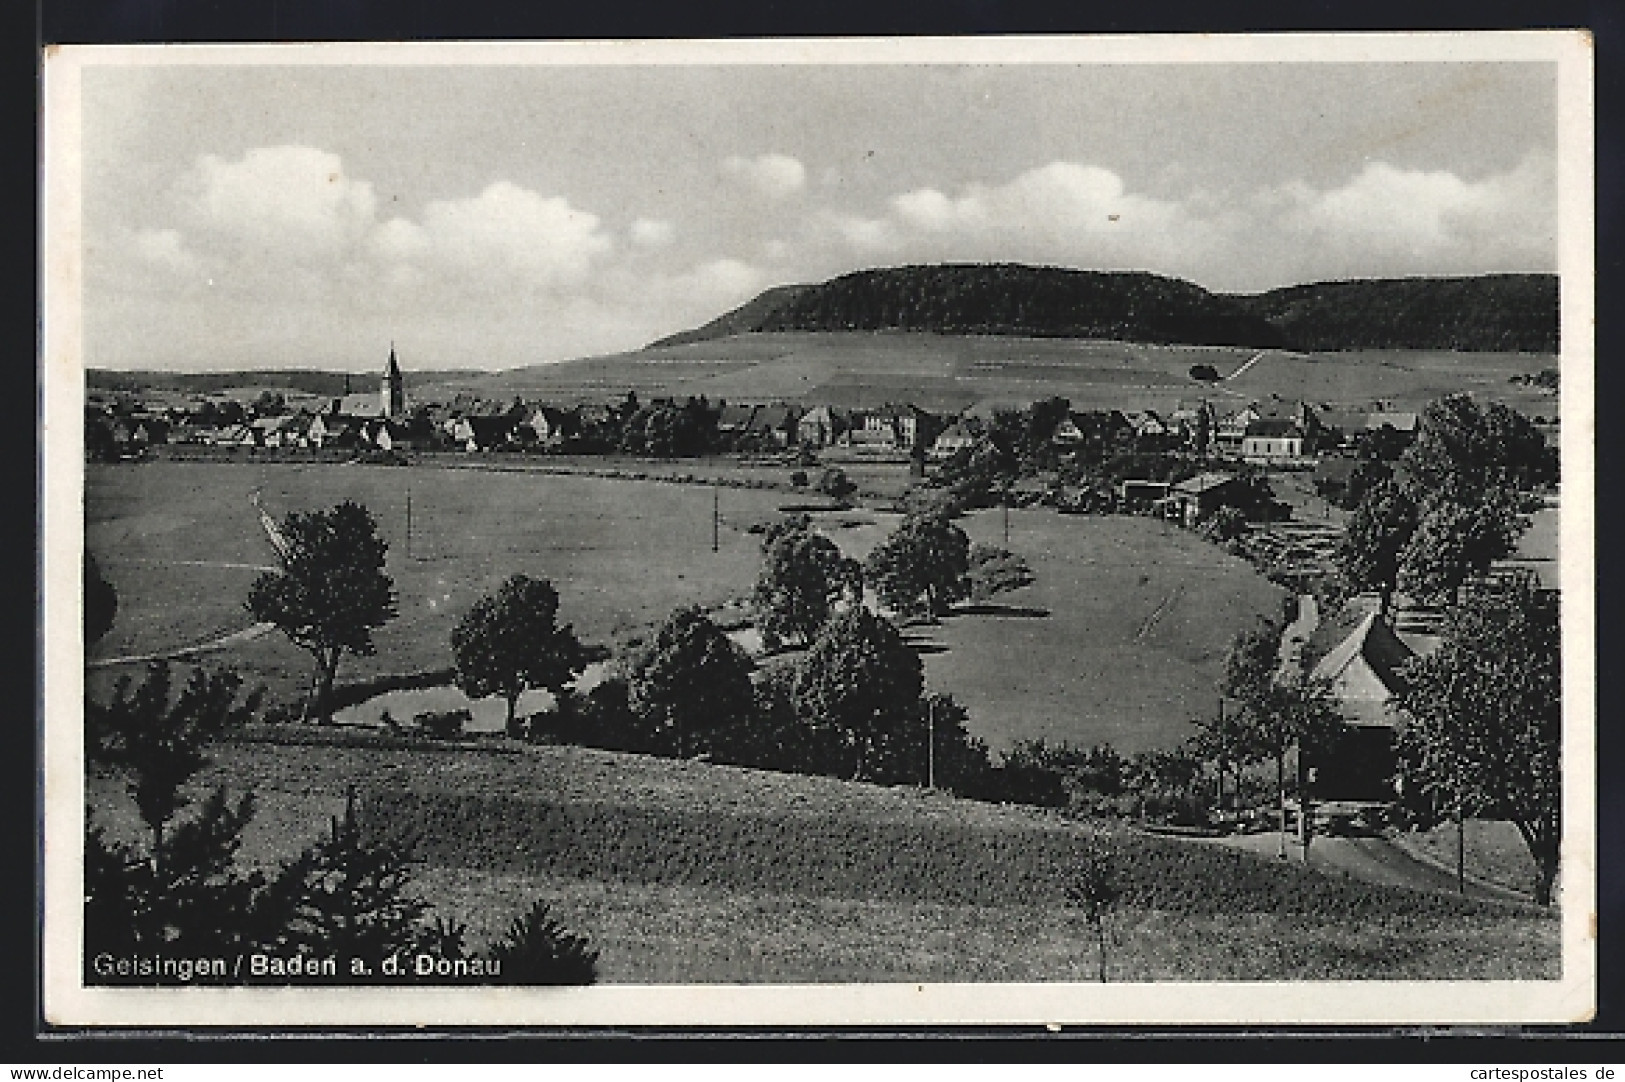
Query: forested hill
(1509,312)
(1492,313)
(1043,302)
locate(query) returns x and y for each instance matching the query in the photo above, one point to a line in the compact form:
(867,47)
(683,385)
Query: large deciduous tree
(803,578)
(1278,713)
(1455,541)
(1375,540)
(1462,449)
(995,571)
(511,642)
(920,569)
(1483,716)
(331,594)
(861,682)
(689,683)
(1454,506)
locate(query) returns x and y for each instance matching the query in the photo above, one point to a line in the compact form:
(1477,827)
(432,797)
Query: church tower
(392,395)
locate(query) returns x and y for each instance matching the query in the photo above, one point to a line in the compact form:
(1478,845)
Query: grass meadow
(685,872)
(950,372)
(1121,638)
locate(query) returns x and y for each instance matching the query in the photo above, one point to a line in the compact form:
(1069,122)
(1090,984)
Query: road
(1374,860)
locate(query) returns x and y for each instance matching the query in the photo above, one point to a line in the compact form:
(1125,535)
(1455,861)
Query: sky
(496,216)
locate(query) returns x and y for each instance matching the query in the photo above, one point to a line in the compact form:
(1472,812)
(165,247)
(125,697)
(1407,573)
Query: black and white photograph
(876,531)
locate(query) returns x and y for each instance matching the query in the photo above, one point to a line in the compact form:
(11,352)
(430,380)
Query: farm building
(1402,422)
(1273,440)
(890,428)
(289,430)
(482,433)
(1195,498)
(772,425)
(1100,428)
(1138,494)
(821,426)
(1363,672)
(551,426)
(953,439)
(734,421)
(1231,430)
(334,430)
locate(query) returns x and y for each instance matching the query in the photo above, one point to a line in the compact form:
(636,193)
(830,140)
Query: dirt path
(1248,363)
(1168,601)
(223,642)
(1374,860)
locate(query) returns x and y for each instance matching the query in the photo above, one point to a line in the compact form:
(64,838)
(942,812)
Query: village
(1271,481)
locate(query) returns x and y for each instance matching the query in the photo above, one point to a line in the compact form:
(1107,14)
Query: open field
(688,872)
(623,554)
(949,372)
(1121,639)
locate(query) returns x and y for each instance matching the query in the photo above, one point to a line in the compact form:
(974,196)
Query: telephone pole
(716,516)
(930,743)
(408,522)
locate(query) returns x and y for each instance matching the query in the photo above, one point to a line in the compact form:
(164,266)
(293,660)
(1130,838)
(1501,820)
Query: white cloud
(1387,212)
(165,249)
(1384,220)
(652,233)
(509,231)
(869,236)
(1062,212)
(773,175)
(287,199)
(399,239)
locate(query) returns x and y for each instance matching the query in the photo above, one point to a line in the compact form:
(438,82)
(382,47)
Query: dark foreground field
(686,872)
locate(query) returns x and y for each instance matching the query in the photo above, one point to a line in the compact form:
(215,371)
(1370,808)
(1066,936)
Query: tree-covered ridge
(1508,313)
(1006,298)
(1505,312)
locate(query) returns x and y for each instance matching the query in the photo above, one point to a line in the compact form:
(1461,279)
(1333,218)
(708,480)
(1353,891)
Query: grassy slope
(625,553)
(1121,639)
(682,871)
(948,372)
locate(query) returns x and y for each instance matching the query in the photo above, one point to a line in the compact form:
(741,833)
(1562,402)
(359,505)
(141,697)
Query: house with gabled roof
(1273,440)
(552,426)
(774,425)
(1357,657)
(821,426)
(953,439)
(482,433)
(1195,498)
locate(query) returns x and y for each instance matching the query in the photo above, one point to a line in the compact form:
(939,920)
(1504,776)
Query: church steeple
(392,395)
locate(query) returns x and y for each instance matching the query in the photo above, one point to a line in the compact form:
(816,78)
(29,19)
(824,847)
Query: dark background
(130,21)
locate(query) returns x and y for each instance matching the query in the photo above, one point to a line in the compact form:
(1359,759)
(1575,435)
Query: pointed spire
(392,369)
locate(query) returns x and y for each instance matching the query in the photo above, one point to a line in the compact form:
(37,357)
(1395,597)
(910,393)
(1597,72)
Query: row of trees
(1454,503)
(1482,714)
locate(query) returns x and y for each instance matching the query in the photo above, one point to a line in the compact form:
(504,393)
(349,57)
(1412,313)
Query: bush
(444,724)
(538,950)
(799,478)
(835,483)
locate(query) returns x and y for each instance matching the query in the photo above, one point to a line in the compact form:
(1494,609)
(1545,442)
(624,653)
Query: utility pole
(1005,503)
(716,516)
(930,743)
(408,522)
